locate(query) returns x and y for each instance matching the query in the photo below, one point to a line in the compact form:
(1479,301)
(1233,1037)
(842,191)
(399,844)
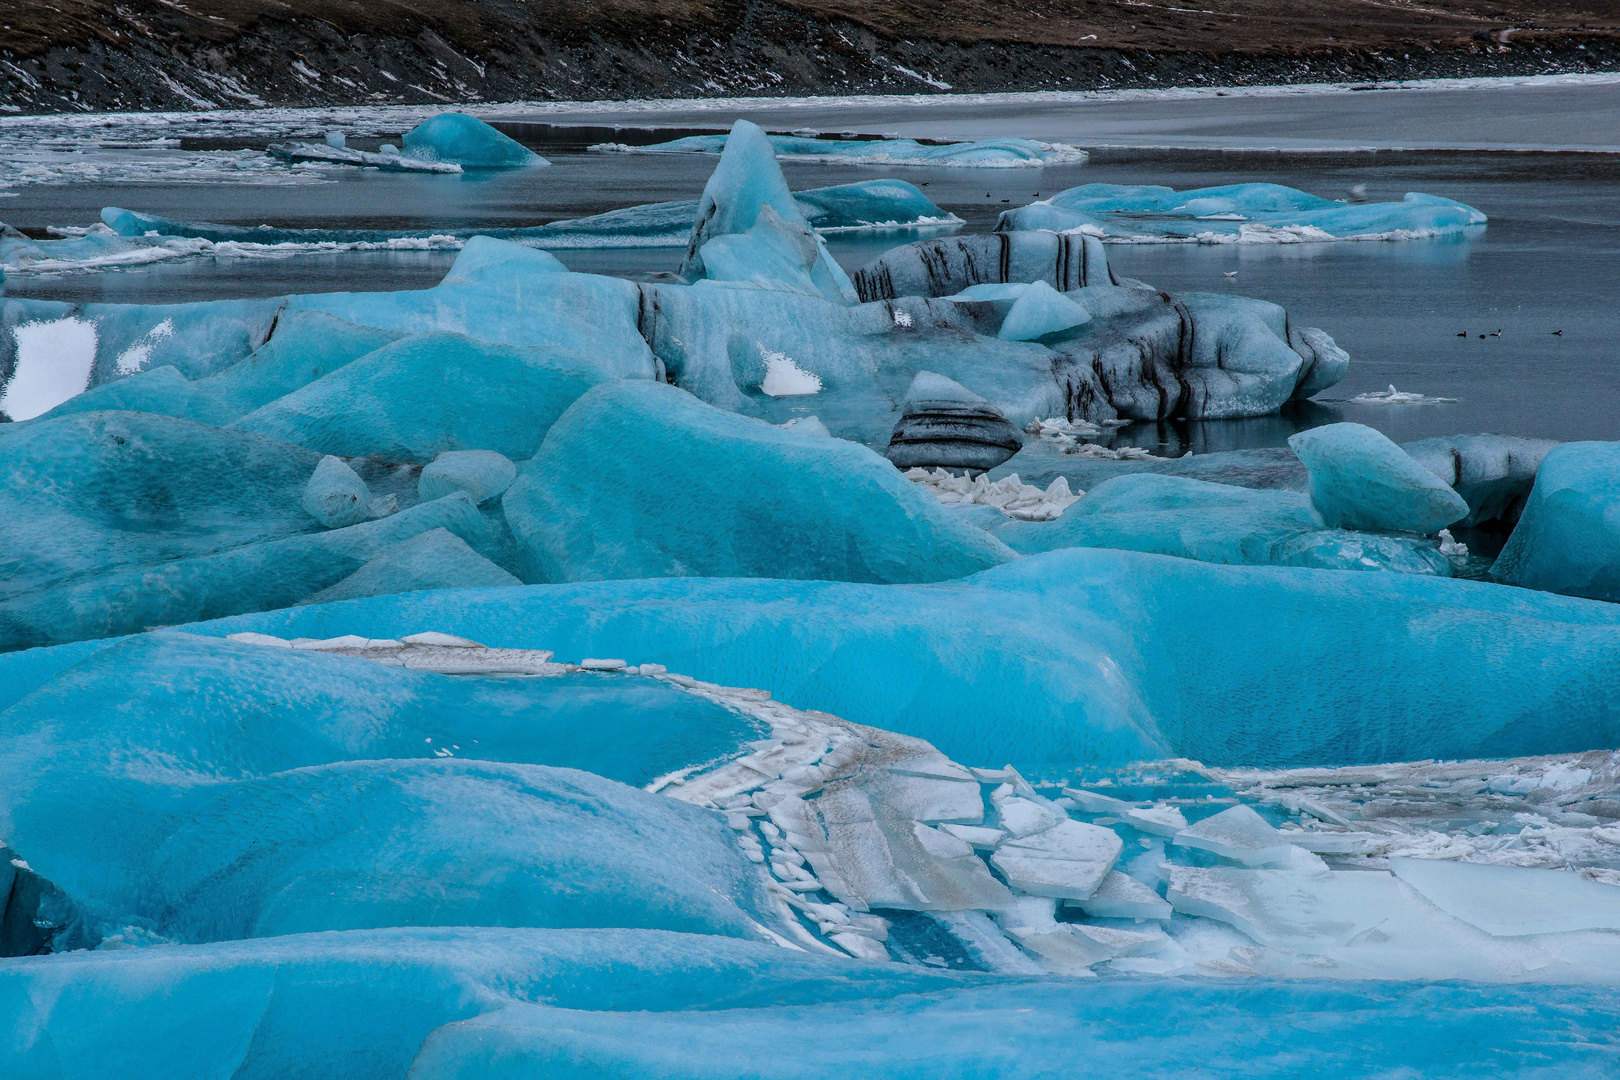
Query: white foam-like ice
(53,364)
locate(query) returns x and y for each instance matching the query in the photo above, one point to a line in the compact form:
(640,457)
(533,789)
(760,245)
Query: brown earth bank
(146,54)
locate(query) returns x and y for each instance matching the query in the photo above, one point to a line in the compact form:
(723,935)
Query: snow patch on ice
(53,362)
(785,378)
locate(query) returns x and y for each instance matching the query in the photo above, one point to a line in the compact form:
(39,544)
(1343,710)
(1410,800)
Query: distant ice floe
(980,154)
(1236,214)
(1066,435)
(1393,396)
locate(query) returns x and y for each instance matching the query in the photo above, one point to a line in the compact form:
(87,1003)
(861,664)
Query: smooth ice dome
(1362,480)
(1040,311)
(639,479)
(335,495)
(459,139)
(1568,538)
(482,474)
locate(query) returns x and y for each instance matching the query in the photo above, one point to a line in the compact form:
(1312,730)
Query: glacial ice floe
(1362,480)
(1236,214)
(978,154)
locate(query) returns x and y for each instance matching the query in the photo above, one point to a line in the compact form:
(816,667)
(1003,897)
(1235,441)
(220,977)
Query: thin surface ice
(1236,214)
(1568,538)
(1362,480)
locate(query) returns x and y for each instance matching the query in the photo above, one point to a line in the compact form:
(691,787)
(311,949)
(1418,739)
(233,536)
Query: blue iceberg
(459,139)
(1362,480)
(1236,214)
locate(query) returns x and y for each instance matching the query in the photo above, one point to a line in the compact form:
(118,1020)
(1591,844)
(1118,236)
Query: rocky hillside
(98,54)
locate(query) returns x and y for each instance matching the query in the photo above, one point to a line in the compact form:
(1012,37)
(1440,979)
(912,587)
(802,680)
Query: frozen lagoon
(999,830)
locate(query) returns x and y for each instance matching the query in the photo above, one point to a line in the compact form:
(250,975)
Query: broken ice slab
(1092,803)
(300,153)
(1024,816)
(1122,897)
(1512,901)
(1300,910)
(977,836)
(1238,834)
(1067,861)
(1158,820)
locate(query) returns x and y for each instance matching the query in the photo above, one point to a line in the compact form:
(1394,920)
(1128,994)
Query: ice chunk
(1122,897)
(1068,860)
(459,139)
(1041,312)
(482,474)
(784,378)
(1237,214)
(1568,539)
(746,180)
(335,495)
(1304,911)
(436,559)
(952,266)
(1512,901)
(978,837)
(943,423)
(425,394)
(640,479)
(1159,820)
(773,254)
(1361,480)
(1239,834)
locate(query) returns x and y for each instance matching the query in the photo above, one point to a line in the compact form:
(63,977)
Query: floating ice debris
(1009,494)
(1449,547)
(1393,396)
(1513,901)
(301,153)
(1568,538)
(982,154)
(1361,480)
(1068,860)
(807,425)
(1236,214)
(944,424)
(468,142)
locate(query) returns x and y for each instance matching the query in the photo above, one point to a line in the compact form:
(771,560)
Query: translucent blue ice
(459,139)
(1568,539)
(1362,480)
(1237,213)
(639,479)
(1040,311)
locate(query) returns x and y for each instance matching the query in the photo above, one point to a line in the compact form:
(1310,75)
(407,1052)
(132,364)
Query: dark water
(1548,261)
